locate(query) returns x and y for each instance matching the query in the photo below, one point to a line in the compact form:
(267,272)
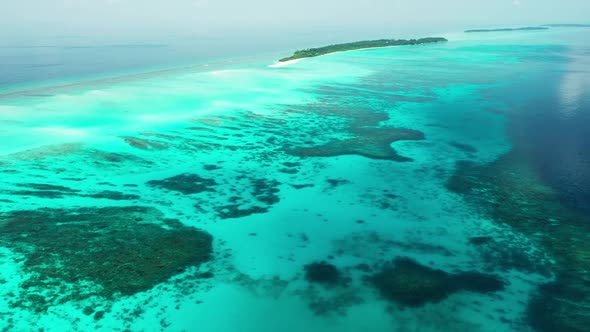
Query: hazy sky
(212,17)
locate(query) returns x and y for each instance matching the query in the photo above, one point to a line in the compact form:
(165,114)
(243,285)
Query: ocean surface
(441,187)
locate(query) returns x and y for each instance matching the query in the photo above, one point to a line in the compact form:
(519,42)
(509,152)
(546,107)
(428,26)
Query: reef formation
(75,254)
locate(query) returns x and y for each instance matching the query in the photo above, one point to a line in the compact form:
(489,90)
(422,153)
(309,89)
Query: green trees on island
(313,52)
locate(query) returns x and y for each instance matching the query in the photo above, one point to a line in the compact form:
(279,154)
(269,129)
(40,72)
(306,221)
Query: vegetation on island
(313,52)
(507,29)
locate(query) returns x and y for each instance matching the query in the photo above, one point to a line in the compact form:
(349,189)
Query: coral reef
(510,191)
(73,254)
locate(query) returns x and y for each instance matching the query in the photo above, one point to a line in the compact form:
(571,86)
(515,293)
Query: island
(569,25)
(313,52)
(507,29)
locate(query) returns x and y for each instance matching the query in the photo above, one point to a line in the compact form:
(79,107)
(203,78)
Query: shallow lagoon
(353,162)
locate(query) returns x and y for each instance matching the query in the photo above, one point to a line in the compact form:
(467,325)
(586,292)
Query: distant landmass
(313,52)
(567,25)
(508,29)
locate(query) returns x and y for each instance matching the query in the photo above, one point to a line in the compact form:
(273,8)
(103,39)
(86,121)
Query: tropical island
(569,25)
(313,52)
(507,29)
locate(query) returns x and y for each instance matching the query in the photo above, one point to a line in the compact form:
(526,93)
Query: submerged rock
(75,254)
(410,284)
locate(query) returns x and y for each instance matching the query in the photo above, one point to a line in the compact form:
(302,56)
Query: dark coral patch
(410,284)
(372,143)
(79,253)
(185,183)
(322,273)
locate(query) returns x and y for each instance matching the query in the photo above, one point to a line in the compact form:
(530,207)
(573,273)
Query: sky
(141,18)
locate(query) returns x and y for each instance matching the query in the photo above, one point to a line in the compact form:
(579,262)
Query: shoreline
(279,64)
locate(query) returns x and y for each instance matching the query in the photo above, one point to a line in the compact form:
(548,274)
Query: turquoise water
(354,191)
